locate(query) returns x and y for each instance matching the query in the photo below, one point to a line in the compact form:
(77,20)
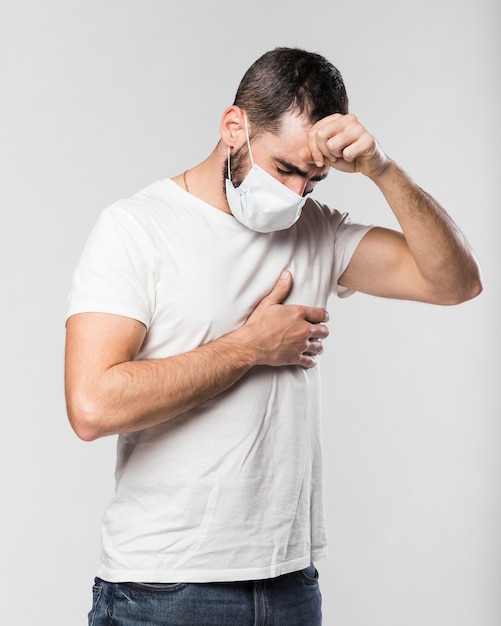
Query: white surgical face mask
(261,202)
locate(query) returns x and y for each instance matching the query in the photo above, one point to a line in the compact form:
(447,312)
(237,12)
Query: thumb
(281,289)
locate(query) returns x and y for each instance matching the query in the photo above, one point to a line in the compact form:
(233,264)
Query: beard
(239,167)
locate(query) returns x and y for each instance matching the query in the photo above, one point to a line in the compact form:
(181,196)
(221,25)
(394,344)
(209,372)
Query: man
(196,318)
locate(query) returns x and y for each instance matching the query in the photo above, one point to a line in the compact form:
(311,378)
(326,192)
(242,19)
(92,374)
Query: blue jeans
(289,600)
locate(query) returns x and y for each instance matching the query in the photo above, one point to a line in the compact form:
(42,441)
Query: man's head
(290,80)
(281,96)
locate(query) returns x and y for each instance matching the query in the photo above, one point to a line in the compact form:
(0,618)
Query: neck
(205,180)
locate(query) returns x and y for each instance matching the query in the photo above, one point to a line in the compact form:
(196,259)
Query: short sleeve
(115,272)
(347,236)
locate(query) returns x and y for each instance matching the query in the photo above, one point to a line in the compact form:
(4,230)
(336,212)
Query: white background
(100,98)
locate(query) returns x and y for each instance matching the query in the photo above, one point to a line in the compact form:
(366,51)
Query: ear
(232,127)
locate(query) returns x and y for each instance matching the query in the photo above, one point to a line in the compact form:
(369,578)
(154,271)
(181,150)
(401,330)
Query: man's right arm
(108,392)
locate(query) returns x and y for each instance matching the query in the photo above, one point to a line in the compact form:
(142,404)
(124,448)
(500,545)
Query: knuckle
(299,311)
(323,134)
(305,332)
(349,153)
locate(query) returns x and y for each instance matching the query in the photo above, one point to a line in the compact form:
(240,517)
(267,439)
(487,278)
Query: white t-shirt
(231,490)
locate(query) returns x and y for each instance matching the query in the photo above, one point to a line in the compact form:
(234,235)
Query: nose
(305,187)
(298,185)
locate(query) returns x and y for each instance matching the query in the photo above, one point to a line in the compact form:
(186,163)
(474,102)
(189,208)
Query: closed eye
(287,169)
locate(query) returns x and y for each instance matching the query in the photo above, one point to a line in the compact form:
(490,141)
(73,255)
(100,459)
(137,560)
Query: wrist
(387,174)
(239,348)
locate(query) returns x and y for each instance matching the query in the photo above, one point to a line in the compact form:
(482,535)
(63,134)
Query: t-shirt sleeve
(347,236)
(115,271)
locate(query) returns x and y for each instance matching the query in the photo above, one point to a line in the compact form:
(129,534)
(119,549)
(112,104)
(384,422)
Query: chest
(207,284)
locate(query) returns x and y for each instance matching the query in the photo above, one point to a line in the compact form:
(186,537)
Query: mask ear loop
(248,139)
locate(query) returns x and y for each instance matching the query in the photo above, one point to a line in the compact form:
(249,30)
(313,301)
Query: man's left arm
(430,260)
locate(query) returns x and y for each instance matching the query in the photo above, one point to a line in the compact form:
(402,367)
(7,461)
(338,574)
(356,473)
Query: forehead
(294,128)
(291,137)
(294,122)
(290,144)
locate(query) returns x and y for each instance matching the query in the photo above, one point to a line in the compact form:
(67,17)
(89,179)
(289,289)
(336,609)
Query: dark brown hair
(290,80)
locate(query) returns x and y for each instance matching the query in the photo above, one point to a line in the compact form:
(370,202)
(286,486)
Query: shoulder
(324,218)
(141,212)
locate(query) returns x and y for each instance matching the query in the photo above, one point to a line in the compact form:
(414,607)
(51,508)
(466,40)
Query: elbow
(85,419)
(475,289)
(472,287)
(456,283)
(468,290)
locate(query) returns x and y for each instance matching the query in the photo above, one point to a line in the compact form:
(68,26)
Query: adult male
(196,318)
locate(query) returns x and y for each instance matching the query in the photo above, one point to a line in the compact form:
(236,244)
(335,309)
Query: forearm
(432,262)
(134,395)
(109,392)
(440,251)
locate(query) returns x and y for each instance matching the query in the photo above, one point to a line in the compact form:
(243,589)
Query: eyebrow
(297,170)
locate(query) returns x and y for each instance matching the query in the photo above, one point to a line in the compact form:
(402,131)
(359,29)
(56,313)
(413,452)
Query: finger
(318,150)
(280,290)
(316,141)
(315,315)
(316,154)
(318,332)
(342,140)
(350,146)
(320,134)
(307,361)
(314,347)
(338,143)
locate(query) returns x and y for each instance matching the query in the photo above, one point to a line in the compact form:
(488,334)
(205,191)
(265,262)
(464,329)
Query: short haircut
(290,80)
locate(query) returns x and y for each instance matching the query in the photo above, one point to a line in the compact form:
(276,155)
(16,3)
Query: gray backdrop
(100,98)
